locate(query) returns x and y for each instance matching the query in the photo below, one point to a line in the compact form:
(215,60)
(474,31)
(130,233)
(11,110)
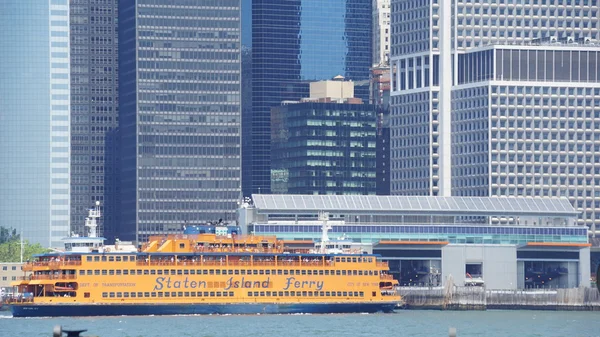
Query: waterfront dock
(479,298)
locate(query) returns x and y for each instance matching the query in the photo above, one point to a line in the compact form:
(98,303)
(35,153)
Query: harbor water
(402,323)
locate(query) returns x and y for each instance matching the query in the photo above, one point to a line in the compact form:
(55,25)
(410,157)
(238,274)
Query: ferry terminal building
(502,242)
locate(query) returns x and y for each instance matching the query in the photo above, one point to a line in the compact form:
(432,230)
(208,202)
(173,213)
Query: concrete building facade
(381,31)
(434,74)
(179,114)
(94,112)
(35,120)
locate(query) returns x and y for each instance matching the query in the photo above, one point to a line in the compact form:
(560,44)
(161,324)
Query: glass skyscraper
(180,114)
(295,42)
(34,119)
(94,112)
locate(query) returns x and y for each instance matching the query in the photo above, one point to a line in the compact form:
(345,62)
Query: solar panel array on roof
(415,204)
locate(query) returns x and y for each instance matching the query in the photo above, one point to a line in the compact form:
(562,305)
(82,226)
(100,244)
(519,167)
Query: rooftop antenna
(91,220)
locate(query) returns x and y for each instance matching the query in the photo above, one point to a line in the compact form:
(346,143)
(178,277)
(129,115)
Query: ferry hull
(63,310)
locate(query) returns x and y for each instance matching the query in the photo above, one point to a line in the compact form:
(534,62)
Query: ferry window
(212,293)
(237,272)
(193,294)
(133,294)
(218,272)
(90,272)
(376,272)
(146,272)
(327,293)
(225,294)
(374,294)
(119,294)
(361,294)
(125,272)
(166,271)
(231,294)
(160,294)
(327,272)
(337,272)
(140,294)
(206,294)
(243,272)
(111,259)
(339,293)
(218,294)
(82,272)
(179,272)
(310,293)
(125,294)
(354,272)
(320,272)
(96,258)
(262,293)
(333,293)
(267,272)
(182,245)
(186,272)
(286,293)
(146,294)
(211,272)
(293,293)
(255,272)
(370,259)
(88,258)
(351,294)
(261,272)
(97,272)
(303,294)
(343,259)
(118,258)
(111,295)
(353,259)
(230,272)
(337,259)
(104,272)
(303,272)
(249,294)
(268,293)
(125,258)
(279,272)
(104,294)
(111,272)
(152,272)
(205,271)
(167,294)
(118,272)
(193,272)
(172,271)
(139,272)
(132,258)
(180,294)
(159,272)
(285,272)
(360,273)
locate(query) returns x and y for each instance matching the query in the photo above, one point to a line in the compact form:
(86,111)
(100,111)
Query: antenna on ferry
(91,220)
(324,216)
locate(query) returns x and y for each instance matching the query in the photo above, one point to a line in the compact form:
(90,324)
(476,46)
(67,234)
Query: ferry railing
(385,277)
(47,277)
(382,264)
(245,263)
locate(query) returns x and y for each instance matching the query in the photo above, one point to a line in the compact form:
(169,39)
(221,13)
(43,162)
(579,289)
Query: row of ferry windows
(126,258)
(230,294)
(228,272)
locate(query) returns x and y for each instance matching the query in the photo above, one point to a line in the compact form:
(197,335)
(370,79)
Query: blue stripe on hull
(41,310)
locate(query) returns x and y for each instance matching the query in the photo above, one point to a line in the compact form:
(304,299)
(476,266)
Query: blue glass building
(179,114)
(295,42)
(34,119)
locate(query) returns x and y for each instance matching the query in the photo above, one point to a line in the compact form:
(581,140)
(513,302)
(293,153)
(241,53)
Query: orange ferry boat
(200,274)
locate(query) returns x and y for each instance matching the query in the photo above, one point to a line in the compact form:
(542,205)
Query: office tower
(179,114)
(381,31)
(324,144)
(522,71)
(295,42)
(34,119)
(94,112)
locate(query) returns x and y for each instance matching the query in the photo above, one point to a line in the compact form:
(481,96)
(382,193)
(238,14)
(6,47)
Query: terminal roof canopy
(412,205)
